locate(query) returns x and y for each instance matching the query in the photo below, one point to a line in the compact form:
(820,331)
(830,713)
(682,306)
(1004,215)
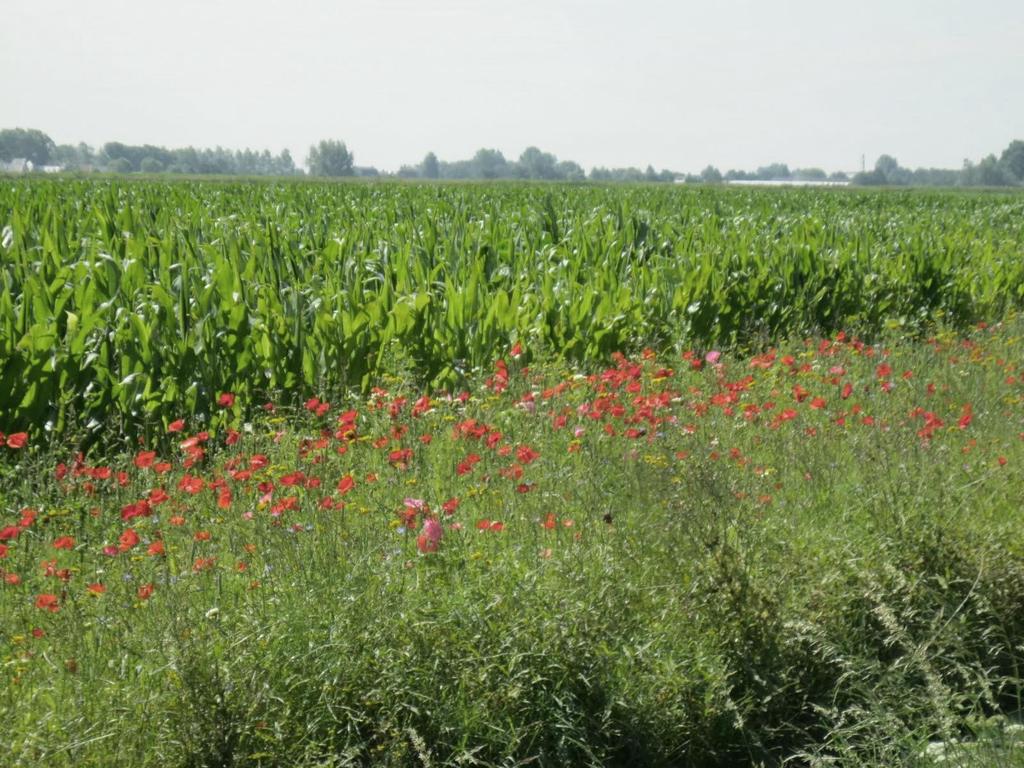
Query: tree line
(332,158)
(328,158)
(1005,171)
(115,157)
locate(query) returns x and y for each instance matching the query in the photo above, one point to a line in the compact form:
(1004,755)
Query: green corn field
(124,305)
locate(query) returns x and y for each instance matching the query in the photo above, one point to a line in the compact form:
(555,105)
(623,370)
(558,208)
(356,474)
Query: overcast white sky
(678,84)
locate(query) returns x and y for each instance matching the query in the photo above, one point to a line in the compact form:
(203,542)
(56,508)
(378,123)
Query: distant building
(18,165)
(787,183)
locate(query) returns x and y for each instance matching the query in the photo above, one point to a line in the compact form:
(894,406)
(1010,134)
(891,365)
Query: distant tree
(711,175)
(838,176)
(537,164)
(887,171)
(460,169)
(85,154)
(810,174)
(871,178)
(567,170)
(622,174)
(429,168)
(887,166)
(489,164)
(285,164)
(246,162)
(935,177)
(151,165)
(987,173)
(29,144)
(1012,161)
(330,158)
(773,172)
(185,161)
(408,172)
(119,165)
(135,154)
(600,174)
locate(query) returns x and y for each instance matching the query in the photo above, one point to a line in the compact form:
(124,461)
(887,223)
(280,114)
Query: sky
(677,84)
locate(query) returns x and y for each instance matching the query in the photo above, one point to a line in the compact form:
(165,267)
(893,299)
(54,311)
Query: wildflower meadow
(725,543)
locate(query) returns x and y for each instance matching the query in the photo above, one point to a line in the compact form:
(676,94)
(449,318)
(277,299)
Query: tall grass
(810,556)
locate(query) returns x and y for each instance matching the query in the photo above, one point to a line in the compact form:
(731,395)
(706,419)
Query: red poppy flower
(127,540)
(512,472)
(145,459)
(9,533)
(400,456)
(64,542)
(293,478)
(526,455)
(138,509)
(145,592)
(176,426)
(157,496)
(346,484)
(156,548)
(17,440)
(226,400)
(466,465)
(967,415)
(47,602)
(191,484)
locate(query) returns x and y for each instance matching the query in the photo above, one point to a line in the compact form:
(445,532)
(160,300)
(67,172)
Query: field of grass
(759,541)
